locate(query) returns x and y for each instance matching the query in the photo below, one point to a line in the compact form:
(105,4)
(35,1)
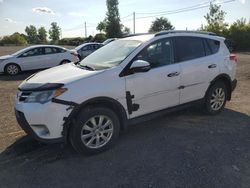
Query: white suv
(129,80)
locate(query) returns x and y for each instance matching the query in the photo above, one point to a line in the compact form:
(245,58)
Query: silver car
(87,48)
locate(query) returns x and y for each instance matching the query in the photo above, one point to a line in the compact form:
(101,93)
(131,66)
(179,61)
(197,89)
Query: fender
(106,101)
(227,80)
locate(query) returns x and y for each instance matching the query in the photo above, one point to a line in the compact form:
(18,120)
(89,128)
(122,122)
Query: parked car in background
(109,40)
(85,49)
(36,57)
(130,80)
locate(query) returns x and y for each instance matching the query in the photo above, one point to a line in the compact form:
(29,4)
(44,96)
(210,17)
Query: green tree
(239,32)
(215,20)
(15,38)
(111,24)
(101,26)
(161,24)
(54,32)
(32,36)
(126,31)
(42,35)
(100,37)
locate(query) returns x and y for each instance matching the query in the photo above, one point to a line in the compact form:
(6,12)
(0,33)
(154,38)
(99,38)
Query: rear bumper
(233,84)
(20,117)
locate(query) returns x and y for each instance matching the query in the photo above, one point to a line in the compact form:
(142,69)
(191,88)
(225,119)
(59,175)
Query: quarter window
(214,45)
(158,54)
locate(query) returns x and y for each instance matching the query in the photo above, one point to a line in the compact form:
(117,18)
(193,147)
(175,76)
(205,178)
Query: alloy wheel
(97,131)
(217,99)
(12,69)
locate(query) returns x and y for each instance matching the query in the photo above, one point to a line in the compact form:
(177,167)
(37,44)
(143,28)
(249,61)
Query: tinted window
(187,48)
(60,50)
(214,45)
(97,46)
(158,54)
(33,52)
(207,48)
(50,50)
(88,47)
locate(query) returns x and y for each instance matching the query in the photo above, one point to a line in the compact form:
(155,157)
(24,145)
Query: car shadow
(184,144)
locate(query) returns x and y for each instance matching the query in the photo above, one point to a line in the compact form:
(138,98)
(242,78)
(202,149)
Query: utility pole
(85,29)
(134,21)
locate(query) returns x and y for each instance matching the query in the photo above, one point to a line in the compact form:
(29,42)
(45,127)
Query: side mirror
(140,66)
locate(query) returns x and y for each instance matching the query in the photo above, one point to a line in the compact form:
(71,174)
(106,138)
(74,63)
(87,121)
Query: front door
(156,89)
(32,59)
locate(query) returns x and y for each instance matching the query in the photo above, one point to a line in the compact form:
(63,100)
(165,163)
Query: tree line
(34,36)
(111,27)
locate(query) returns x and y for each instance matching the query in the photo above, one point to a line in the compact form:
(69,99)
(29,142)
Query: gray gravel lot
(181,149)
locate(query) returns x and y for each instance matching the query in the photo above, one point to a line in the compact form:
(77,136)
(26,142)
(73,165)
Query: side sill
(154,115)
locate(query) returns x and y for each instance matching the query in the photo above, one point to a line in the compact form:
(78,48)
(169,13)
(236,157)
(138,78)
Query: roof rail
(137,34)
(183,31)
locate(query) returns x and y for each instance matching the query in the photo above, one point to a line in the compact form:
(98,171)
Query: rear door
(199,65)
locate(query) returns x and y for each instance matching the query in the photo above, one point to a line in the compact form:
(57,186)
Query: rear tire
(96,129)
(12,69)
(216,98)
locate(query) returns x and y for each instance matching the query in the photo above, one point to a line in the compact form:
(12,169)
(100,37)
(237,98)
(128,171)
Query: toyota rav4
(129,80)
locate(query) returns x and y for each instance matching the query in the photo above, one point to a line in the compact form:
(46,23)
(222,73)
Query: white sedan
(36,57)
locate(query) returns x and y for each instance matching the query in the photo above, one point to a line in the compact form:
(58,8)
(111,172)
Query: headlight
(44,96)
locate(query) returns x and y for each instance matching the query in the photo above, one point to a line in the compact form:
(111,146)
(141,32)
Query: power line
(127,16)
(161,12)
(187,9)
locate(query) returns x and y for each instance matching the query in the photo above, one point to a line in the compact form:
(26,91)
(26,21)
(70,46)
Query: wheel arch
(110,103)
(12,63)
(226,80)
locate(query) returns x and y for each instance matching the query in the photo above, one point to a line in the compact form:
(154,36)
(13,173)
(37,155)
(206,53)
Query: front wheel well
(12,64)
(110,103)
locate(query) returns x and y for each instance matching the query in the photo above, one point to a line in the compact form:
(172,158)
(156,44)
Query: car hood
(5,57)
(63,74)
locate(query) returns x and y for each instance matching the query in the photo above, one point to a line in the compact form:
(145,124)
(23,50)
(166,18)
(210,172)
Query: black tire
(210,99)
(12,69)
(65,61)
(83,118)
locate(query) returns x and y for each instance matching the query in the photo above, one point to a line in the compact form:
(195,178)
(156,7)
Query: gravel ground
(181,149)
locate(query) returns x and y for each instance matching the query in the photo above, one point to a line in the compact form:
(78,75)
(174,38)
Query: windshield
(110,55)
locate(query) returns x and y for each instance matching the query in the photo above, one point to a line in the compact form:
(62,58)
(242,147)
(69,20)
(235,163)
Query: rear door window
(188,48)
(50,51)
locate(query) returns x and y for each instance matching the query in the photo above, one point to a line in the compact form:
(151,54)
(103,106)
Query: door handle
(172,74)
(212,66)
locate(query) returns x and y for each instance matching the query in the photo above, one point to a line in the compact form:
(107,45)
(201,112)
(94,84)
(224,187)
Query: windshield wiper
(85,66)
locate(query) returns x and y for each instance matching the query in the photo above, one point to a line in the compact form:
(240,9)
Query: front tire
(12,69)
(96,129)
(216,97)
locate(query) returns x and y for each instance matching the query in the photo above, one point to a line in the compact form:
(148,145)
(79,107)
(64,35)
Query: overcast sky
(15,15)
